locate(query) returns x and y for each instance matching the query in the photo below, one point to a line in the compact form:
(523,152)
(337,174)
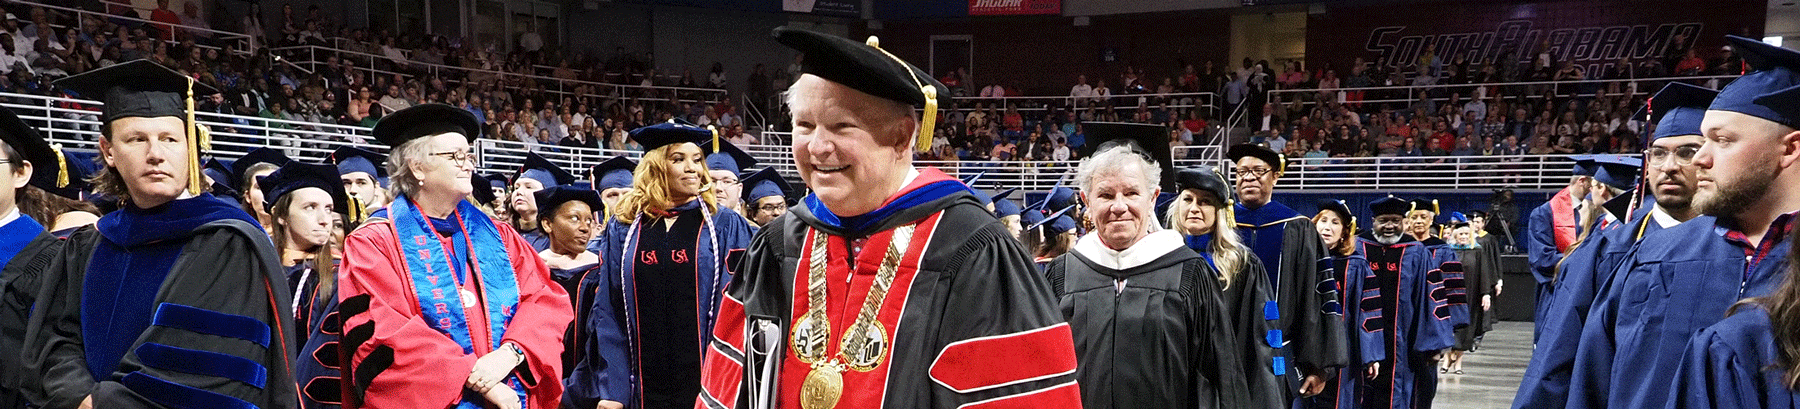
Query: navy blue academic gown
(1541,253)
(1398,302)
(1304,288)
(1366,346)
(318,368)
(1445,279)
(1727,366)
(614,336)
(1578,278)
(1674,284)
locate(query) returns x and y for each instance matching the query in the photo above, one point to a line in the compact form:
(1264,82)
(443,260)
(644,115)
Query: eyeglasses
(771,207)
(1684,155)
(1254,173)
(458,158)
(722,181)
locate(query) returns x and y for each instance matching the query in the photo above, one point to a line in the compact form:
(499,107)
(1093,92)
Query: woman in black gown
(566,214)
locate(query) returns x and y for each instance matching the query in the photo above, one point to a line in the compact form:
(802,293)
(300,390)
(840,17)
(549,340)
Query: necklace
(863,346)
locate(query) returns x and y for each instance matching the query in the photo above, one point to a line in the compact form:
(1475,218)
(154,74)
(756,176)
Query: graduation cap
(1276,160)
(351,159)
(867,68)
(1007,207)
(1618,171)
(296,175)
(726,156)
(1390,205)
(1427,205)
(141,88)
(1005,194)
(614,173)
(1205,180)
(256,156)
(49,171)
(1031,215)
(1052,221)
(1062,223)
(1456,219)
(553,197)
(482,189)
(1678,109)
(1786,101)
(670,133)
(425,120)
(495,181)
(542,170)
(1343,212)
(1584,165)
(224,182)
(764,183)
(1772,69)
(1151,141)
(80,166)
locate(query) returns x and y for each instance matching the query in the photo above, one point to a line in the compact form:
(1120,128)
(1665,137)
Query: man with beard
(1553,229)
(1683,279)
(1299,271)
(536,174)
(1397,303)
(1677,111)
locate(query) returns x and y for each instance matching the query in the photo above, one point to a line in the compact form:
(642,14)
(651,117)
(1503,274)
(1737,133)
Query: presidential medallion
(823,386)
(864,345)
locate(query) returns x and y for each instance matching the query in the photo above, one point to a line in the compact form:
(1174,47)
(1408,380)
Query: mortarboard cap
(256,156)
(1343,213)
(297,175)
(1151,141)
(1786,102)
(614,173)
(49,170)
(351,159)
(764,183)
(1276,160)
(1048,219)
(1456,219)
(1584,165)
(1205,180)
(424,120)
(1678,109)
(542,170)
(865,67)
(482,189)
(1430,205)
(1006,207)
(553,197)
(1062,223)
(1005,194)
(670,133)
(726,156)
(1390,205)
(1770,69)
(224,182)
(81,166)
(141,88)
(1618,171)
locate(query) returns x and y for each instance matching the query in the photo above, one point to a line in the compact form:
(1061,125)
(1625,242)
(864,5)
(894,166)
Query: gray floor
(1490,375)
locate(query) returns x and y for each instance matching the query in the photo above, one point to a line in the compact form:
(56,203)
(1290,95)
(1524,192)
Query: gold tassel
(928,119)
(715,132)
(62,166)
(193,158)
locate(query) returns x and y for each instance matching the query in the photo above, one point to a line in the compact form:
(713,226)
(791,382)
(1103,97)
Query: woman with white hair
(1146,313)
(442,306)
(1201,213)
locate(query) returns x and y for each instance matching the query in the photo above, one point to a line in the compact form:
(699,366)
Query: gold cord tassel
(62,166)
(193,158)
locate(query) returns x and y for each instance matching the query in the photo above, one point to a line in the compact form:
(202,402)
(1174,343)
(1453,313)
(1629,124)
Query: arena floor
(1491,375)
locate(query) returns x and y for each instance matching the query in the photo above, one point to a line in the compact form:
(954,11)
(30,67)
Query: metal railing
(220,36)
(78,129)
(315,57)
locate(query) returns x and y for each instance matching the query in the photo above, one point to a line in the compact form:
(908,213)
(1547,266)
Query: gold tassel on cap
(193,157)
(715,132)
(62,166)
(928,119)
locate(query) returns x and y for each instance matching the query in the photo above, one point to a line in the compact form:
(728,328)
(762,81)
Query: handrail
(411,61)
(311,141)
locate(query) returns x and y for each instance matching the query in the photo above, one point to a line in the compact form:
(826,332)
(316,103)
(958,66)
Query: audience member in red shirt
(162,14)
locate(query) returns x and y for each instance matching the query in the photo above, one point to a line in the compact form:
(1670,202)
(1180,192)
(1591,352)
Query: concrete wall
(688,38)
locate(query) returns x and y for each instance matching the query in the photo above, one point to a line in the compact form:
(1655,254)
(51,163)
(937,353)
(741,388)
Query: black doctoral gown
(968,318)
(1151,331)
(1300,274)
(216,329)
(20,281)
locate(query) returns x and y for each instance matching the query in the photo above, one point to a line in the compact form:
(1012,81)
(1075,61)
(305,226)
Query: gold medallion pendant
(811,335)
(823,386)
(864,345)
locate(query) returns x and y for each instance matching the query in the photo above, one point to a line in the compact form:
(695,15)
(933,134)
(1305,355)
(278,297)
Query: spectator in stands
(717,78)
(1081,91)
(1690,64)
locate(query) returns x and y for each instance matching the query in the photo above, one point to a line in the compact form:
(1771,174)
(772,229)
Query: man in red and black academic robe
(889,286)
(1401,303)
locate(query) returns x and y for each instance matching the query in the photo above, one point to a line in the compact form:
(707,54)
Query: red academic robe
(426,368)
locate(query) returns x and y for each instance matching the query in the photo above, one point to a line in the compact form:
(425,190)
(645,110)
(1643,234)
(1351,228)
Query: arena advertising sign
(1014,7)
(1590,33)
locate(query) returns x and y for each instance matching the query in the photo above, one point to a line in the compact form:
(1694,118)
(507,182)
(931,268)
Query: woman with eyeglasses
(442,305)
(667,251)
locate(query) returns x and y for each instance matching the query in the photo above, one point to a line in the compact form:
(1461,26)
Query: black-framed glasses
(459,158)
(1256,173)
(772,207)
(1683,155)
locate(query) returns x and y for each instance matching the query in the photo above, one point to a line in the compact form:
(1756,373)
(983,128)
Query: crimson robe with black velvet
(422,367)
(968,318)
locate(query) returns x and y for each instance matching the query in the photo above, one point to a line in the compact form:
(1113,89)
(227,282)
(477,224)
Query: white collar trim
(1663,218)
(1148,249)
